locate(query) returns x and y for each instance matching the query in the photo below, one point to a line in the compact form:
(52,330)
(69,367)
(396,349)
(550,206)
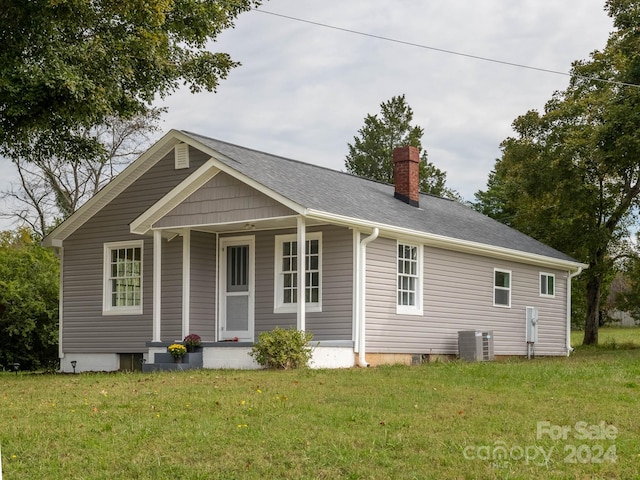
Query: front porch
(235,355)
(231,260)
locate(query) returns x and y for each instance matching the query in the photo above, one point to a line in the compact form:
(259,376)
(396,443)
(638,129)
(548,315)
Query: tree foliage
(371,155)
(50,189)
(571,175)
(29,277)
(68,66)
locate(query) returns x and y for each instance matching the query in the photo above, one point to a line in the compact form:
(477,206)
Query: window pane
(543,284)
(550,289)
(408,282)
(125,277)
(289,271)
(502,279)
(501,297)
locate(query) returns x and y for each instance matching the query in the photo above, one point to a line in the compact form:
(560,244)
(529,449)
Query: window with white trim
(501,288)
(409,286)
(547,284)
(286,268)
(123,278)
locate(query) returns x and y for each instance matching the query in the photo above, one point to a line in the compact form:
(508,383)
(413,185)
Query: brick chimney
(406,161)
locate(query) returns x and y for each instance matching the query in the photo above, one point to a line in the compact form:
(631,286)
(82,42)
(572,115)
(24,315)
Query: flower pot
(178,359)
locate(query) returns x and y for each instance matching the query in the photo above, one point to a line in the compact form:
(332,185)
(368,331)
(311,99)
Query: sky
(303,90)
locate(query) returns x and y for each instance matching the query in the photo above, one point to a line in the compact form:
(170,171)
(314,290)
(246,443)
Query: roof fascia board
(177,195)
(116,186)
(299,209)
(449,243)
(202,226)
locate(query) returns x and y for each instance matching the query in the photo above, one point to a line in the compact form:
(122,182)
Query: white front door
(236,288)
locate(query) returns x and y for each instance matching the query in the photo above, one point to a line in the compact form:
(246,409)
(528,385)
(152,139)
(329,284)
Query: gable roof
(332,196)
(335,195)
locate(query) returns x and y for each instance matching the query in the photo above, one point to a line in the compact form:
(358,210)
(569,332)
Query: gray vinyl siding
(85,329)
(223,199)
(458,295)
(171,309)
(335,320)
(202,313)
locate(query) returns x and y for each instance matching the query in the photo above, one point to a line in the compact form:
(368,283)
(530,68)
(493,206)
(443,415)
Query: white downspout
(569,278)
(362,267)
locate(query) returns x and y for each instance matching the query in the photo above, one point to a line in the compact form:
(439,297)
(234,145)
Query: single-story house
(202,236)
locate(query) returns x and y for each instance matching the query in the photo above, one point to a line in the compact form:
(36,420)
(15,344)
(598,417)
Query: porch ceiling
(282,223)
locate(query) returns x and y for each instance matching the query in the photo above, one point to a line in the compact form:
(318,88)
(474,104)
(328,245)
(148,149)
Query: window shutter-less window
(182,156)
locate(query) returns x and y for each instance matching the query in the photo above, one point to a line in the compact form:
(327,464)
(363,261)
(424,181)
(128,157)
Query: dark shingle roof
(339,193)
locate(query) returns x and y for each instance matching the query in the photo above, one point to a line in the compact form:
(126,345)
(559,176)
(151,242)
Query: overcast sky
(303,90)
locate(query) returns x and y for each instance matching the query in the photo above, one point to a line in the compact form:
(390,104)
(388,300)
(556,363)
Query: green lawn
(509,419)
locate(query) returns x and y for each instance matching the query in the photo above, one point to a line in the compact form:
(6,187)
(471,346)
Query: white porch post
(157,287)
(186,281)
(302,261)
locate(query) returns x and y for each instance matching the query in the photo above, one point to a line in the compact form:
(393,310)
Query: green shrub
(29,277)
(283,349)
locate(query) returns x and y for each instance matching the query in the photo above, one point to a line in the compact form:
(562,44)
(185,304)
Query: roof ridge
(300,162)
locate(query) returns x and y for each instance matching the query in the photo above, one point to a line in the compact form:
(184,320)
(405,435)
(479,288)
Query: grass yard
(568,418)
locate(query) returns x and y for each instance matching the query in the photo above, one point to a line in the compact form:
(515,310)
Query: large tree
(571,175)
(69,66)
(371,155)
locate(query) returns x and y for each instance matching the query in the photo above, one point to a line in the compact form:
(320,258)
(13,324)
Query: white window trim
(547,295)
(493,290)
(107,308)
(278,294)
(416,309)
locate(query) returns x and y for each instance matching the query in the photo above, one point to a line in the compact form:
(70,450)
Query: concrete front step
(165,362)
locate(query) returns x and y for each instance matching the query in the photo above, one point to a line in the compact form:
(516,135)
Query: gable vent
(182,156)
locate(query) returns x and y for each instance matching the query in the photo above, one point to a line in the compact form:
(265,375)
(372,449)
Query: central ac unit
(475,345)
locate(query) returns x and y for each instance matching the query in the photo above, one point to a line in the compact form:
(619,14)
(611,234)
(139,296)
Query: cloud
(303,90)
